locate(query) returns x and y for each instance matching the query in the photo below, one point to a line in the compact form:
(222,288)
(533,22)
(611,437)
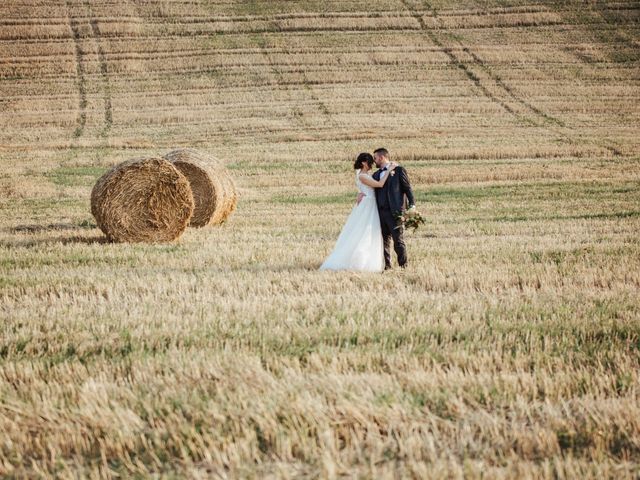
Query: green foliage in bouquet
(409,219)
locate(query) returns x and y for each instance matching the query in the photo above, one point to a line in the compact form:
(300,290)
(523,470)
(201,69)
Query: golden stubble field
(509,348)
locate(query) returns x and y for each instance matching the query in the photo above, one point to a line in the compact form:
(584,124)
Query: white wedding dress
(359,246)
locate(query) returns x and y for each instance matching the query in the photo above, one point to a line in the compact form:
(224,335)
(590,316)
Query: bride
(359,246)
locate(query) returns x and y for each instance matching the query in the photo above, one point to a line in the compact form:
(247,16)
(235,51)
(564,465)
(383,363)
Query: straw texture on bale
(142,200)
(214,192)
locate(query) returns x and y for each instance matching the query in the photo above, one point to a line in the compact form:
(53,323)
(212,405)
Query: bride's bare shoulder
(368,174)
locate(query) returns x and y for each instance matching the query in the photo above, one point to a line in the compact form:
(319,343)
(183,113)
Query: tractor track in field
(297,113)
(498,81)
(77,22)
(80,72)
(543,119)
(104,72)
(453,58)
(481,64)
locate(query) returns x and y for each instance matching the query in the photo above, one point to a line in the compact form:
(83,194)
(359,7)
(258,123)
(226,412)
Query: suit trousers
(391,231)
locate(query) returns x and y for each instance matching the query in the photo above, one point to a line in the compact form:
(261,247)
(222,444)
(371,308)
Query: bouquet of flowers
(411,218)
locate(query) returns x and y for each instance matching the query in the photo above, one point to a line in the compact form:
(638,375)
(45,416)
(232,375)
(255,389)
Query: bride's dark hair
(362,159)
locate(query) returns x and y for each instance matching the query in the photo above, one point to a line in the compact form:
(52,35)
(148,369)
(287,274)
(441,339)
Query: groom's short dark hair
(383,152)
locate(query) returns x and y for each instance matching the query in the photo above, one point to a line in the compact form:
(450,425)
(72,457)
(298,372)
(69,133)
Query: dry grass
(509,349)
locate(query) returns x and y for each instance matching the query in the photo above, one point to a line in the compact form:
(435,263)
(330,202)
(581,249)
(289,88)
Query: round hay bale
(142,200)
(213,189)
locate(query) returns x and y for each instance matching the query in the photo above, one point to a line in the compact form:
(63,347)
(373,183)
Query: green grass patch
(532,191)
(514,218)
(340,199)
(45,205)
(75,176)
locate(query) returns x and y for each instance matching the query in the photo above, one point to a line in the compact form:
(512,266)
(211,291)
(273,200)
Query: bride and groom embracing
(365,241)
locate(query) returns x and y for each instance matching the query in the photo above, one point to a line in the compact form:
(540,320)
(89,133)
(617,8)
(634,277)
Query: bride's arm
(376,183)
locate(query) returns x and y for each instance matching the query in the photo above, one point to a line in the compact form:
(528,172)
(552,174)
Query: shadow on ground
(64,240)
(36,228)
(82,237)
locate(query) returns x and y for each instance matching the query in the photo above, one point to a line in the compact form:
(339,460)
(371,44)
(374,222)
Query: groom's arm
(405,187)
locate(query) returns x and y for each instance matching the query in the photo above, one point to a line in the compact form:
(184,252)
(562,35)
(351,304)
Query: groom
(391,202)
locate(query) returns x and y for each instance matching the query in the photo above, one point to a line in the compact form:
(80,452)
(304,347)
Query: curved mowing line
(155,38)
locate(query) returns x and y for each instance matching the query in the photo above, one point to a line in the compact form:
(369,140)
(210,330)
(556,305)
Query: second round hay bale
(214,191)
(230,197)
(142,200)
(206,185)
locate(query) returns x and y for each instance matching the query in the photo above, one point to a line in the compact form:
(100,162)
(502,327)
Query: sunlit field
(510,346)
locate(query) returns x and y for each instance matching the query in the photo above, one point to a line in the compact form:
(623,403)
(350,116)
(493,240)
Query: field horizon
(509,348)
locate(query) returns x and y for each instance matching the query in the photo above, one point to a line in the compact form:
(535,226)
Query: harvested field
(509,348)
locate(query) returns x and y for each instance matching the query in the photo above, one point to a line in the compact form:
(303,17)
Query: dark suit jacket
(395,189)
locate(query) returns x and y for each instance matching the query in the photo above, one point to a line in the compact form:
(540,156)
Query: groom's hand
(360,197)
